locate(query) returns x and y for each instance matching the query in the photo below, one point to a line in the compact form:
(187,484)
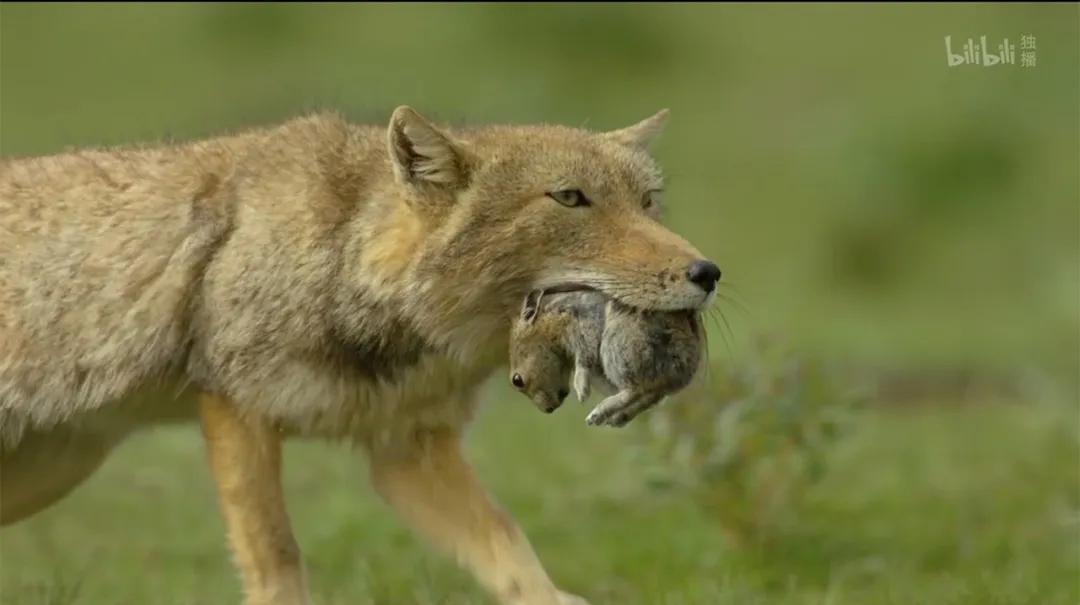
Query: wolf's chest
(313,399)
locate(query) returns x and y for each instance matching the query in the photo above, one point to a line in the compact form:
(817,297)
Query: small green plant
(747,441)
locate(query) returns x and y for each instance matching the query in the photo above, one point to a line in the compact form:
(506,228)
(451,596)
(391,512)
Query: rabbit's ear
(531,307)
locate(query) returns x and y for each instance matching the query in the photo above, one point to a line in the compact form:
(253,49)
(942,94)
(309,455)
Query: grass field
(934,504)
(869,204)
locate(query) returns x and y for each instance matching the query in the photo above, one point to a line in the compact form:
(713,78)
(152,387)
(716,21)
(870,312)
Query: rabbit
(641,356)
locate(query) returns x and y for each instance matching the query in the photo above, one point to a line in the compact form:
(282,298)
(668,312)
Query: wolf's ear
(643,133)
(421,153)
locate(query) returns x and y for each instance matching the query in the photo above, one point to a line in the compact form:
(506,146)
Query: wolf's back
(100,255)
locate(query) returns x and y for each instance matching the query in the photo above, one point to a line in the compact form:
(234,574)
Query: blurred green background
(913,223)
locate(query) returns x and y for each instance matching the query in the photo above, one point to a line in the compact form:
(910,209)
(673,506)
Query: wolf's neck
(393,305)
(399,292)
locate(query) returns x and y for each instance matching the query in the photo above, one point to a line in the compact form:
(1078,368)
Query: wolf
(317,278)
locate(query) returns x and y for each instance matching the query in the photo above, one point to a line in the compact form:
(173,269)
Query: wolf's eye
(518,381)
(570,198)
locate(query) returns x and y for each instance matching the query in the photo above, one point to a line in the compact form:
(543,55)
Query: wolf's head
(509,209)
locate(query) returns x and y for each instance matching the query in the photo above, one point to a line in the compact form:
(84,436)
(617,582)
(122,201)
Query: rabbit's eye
(518,381)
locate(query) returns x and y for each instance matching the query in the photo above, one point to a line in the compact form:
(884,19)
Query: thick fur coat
(315,278)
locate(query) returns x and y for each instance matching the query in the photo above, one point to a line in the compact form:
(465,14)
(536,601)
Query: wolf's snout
(704,274)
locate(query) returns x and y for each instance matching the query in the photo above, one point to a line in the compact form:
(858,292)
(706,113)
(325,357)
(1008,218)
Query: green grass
(944,505)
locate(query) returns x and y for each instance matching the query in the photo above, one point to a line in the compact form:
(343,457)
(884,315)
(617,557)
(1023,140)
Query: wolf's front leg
(431,485)
(245,456)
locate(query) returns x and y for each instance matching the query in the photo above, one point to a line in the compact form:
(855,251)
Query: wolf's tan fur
(316,279)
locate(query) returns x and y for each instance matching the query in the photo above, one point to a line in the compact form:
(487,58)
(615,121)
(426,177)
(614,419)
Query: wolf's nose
(704,274)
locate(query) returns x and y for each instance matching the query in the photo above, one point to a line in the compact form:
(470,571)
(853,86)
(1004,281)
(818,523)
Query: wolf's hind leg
(245,456)
(433,488)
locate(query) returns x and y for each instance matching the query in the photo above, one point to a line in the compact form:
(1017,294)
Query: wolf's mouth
(690,313)
(570,287)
